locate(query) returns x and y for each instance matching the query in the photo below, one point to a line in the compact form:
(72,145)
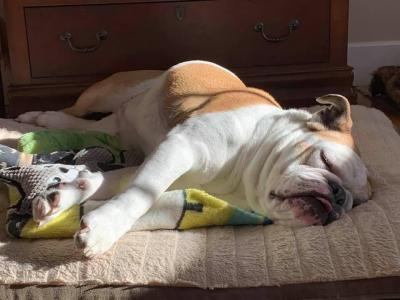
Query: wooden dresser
(52,50)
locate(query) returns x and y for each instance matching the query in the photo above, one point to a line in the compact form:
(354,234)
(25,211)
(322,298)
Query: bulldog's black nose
(338,192)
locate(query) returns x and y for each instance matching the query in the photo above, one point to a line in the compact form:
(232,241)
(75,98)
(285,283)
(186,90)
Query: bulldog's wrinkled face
(71,186)
(330,177)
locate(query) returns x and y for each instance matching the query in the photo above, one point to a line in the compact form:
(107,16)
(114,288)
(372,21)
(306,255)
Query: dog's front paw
(96,235)
(29,117)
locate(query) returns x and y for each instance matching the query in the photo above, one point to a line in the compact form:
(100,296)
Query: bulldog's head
(328,177)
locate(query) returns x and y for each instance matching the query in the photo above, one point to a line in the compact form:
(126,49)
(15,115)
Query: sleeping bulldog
(198,125)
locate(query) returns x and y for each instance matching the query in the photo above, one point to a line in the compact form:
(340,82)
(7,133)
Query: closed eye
(326,162)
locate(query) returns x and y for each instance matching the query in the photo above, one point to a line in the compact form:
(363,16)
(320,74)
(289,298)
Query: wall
(374,36)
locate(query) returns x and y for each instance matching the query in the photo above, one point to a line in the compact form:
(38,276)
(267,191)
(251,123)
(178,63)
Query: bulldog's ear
(336,116)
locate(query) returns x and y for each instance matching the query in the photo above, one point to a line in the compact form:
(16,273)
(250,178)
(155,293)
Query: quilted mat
(363,244)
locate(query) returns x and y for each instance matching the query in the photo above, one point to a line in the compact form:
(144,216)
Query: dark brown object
(2,107)
(2,39)
(46,73)
(386,83)
(365,289)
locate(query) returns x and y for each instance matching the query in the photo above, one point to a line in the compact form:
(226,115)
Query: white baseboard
(368,56)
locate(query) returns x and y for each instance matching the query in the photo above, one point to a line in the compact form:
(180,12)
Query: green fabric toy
(46,141)
(98,151)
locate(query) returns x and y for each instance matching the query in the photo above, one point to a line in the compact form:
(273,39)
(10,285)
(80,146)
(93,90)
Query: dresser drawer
(101,39)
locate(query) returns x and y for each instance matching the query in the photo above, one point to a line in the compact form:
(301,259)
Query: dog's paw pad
(39,210)
(54,198)
(83,184)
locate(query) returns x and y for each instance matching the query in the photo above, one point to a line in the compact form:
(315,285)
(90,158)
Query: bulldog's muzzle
(320,209)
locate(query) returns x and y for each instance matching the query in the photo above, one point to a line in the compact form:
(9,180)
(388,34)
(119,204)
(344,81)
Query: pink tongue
(326,203)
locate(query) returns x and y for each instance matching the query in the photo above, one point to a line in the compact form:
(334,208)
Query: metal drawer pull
(180,12)
(100,36)
(293,26)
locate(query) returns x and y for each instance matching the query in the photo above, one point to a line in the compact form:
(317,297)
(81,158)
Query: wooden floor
(391,110)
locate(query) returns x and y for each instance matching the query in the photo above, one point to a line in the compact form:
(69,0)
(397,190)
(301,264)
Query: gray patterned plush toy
(38,176)
(36,181)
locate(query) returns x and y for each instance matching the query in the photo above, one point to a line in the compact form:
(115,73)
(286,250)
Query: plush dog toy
(28,178)
(29,183)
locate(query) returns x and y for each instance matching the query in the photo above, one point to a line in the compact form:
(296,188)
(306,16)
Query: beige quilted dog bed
(363,244)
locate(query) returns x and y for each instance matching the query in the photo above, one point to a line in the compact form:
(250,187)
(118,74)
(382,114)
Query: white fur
(242,155)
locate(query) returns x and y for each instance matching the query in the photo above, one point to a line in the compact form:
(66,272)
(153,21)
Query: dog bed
(355,255)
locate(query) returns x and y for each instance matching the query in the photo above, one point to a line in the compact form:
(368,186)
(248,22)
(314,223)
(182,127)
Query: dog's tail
(109,94)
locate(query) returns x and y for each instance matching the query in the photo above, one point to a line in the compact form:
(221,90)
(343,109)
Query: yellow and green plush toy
(30,172)
(25,185)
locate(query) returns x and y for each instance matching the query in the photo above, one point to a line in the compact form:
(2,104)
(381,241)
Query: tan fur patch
(343,138)
(195,89)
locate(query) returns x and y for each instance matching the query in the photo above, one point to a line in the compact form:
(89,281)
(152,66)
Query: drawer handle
(293,26)
(180,12)
(100,36)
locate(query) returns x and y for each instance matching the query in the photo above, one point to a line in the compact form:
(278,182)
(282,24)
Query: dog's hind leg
(105,96)
(109,94)
(59,119)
